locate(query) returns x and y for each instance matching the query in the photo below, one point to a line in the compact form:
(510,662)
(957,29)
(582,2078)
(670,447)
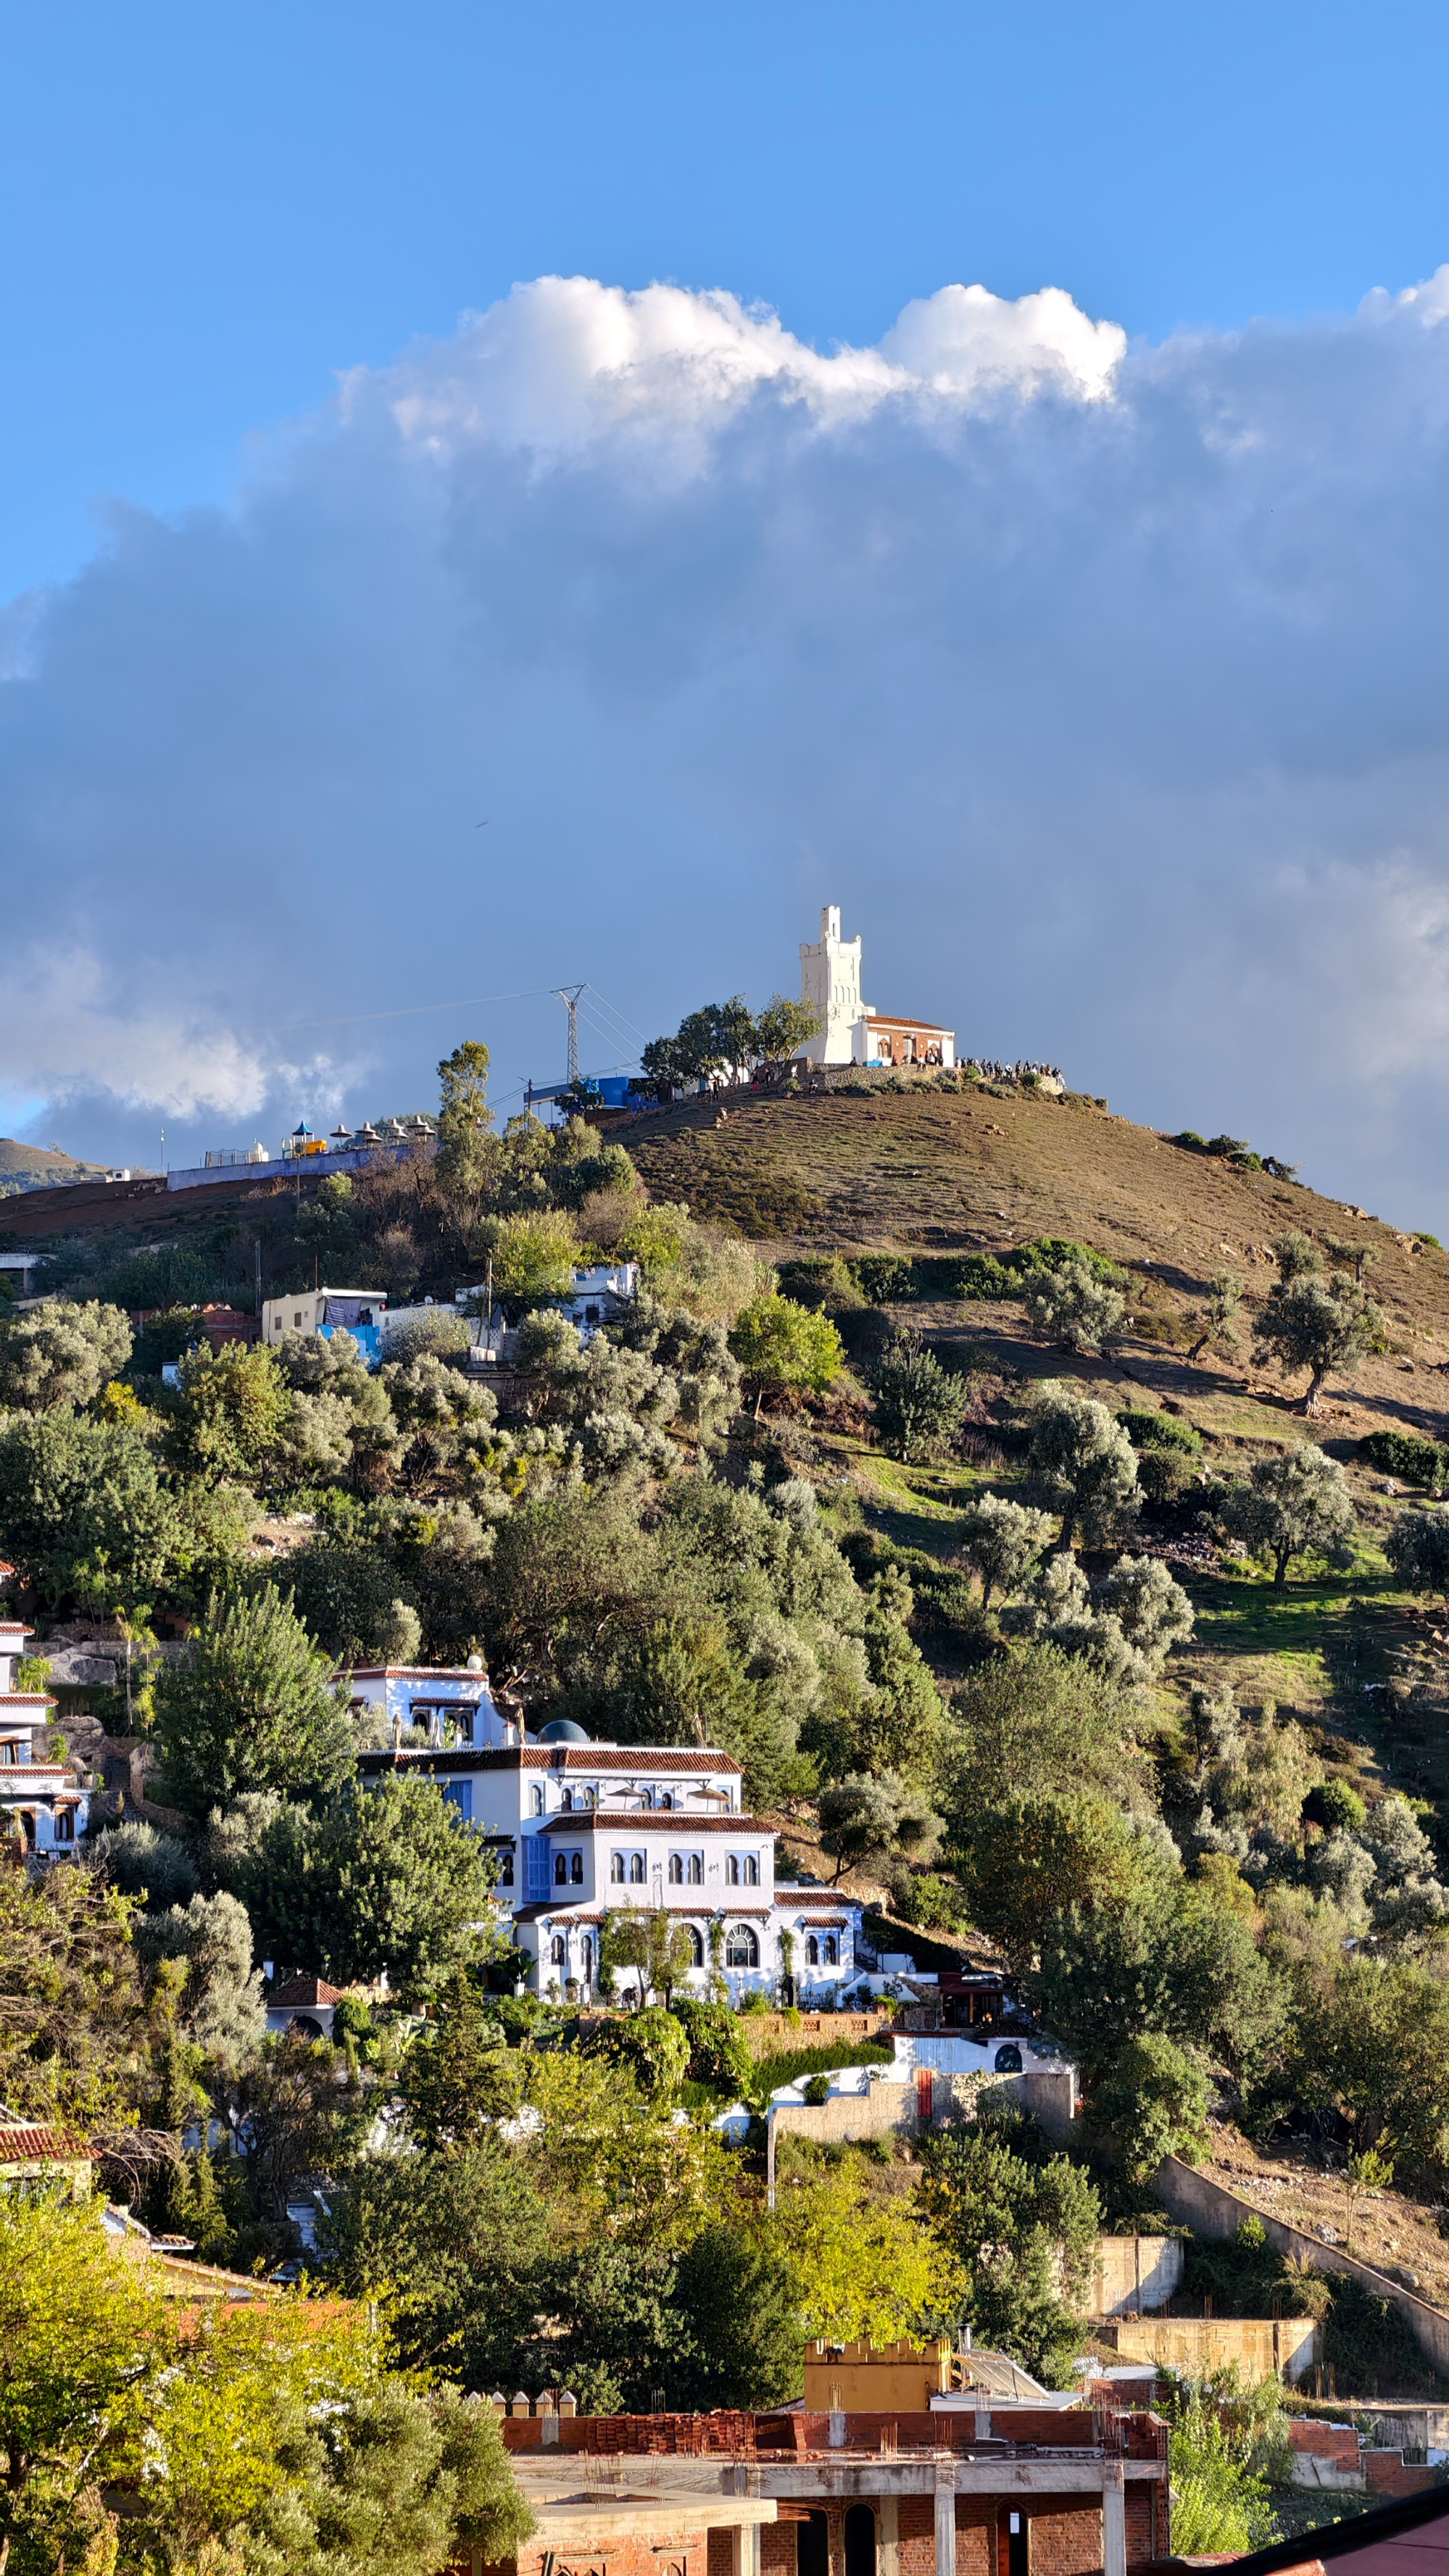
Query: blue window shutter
(459,1794)
(537,1873)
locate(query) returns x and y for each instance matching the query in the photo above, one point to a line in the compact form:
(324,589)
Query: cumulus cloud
(1101,684)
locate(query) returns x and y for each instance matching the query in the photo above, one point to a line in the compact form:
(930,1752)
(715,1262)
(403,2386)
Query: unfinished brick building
(980,2489)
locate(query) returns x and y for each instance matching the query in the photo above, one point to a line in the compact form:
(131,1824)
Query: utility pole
(569,996)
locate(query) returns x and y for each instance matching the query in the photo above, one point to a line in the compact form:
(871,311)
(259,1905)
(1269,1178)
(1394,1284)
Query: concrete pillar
(1114,2520)
(946,2522)
(889,2536)
(745,2550)
(836,2435)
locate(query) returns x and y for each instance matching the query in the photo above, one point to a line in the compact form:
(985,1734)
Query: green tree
(1293,1502)
(1374,2048)
(459,2076)
(1003,1541)
(61,1354)
(350,1597)
(1308,1322)
(219,2002)
(388,1881)
(1153,2103)
(1024,2228)
(1033,1720)
(1218,1318)
(230,1408)
(918,1403)
(84,1516)
(744,2323)
(717,2054)
(1169,1961)
(85,2335)
(453,2243)
(75,2046)
(1418,1550)
(1085,1462)
(864,1817)
(251,1705)
(534,1257)
(779,1344)
(1074,1307)
(1032,1859)
(783,1028)
(652,2044)
(1219,2505)
(467,1148)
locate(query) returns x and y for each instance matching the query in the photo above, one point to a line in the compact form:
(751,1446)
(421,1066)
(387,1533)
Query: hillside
(39,1167)
(930,1173)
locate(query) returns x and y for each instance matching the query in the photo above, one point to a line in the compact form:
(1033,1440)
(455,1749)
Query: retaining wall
(1135,2272)
(1212,2210)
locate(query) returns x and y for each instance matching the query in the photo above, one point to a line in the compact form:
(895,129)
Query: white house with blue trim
(40,1802)
(582,1828)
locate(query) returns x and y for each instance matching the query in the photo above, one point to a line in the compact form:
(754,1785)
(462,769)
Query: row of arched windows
(742,1948)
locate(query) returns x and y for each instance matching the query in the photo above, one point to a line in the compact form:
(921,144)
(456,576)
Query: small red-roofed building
(34,2155)
(303,2003)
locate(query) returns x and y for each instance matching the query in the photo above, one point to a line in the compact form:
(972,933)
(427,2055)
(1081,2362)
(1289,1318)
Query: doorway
(860,2541)
(1018,2545)
(812,2545)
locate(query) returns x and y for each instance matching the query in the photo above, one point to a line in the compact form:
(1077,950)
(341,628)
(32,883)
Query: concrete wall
(1261,2347)
(1212,2210)
(1135,2273)
(771,2034)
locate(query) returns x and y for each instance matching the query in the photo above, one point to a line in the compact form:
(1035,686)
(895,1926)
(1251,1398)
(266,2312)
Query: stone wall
(1135,2273)
(1213,2210)
(1261,2347)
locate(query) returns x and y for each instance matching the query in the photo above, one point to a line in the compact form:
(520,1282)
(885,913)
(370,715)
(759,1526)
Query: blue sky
(209,209)
(1091,651)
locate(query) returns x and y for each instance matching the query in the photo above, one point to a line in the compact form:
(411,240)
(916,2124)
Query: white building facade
(40,1801)
(851,1031)
(581,1829)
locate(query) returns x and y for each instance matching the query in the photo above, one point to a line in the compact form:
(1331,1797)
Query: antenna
(569,996)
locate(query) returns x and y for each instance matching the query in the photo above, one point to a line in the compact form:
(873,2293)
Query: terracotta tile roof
(305,1990)
(22,2144)
(645,1820)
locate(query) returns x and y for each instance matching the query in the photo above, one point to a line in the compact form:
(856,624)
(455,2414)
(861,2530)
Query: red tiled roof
(306,1990)
(645,1820)
(21,2144)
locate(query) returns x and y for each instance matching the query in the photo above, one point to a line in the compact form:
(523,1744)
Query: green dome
(561,1730)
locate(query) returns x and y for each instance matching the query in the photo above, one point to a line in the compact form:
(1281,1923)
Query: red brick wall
(686,2553)
(1389,2474)
(916,2527)
(777,2548)
(721,2555)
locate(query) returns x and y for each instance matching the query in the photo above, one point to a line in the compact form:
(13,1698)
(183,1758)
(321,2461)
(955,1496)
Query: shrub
(885,1278)
(1413,1462)
(1160,1431)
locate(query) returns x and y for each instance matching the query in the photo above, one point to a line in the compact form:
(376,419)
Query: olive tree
(1218,1318)
(1074,1306)
(1002,1540)
(61,1354)
(918,1404)
(1296,1500)
(1085,1462)
(1418,1551)
(1312,1322)
(779,1344)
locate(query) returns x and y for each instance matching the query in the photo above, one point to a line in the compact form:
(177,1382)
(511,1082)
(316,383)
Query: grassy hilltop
(928,1173)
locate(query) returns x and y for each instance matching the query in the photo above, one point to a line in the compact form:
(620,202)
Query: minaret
(830,984)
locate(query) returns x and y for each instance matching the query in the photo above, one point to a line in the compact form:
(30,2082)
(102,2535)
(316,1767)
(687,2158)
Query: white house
(852,1032)
(38,1800)
(583,1828)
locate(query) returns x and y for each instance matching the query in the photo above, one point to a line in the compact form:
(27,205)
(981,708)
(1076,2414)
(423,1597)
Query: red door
(925,2092)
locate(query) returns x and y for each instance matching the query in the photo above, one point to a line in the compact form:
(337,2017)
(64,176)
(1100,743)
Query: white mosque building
(852,1032)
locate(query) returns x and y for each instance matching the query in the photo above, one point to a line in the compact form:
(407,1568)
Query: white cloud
(1101,684)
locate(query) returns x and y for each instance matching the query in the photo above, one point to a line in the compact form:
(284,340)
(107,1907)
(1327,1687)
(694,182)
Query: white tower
(830,984)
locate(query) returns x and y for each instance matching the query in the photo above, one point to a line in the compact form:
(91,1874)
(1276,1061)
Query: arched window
(696,1945)
(832,1951)
(812,1952)
(560,1869)
(505,1869)
(752,1870)
(668,1798)
(676,1869)
(559,1951)
(576,1869)
(732,1870)
(636,1869)
(742,1948)
(536,1800)
(586,1958)
(618,1868)
(1007,2060)
(696,1869)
